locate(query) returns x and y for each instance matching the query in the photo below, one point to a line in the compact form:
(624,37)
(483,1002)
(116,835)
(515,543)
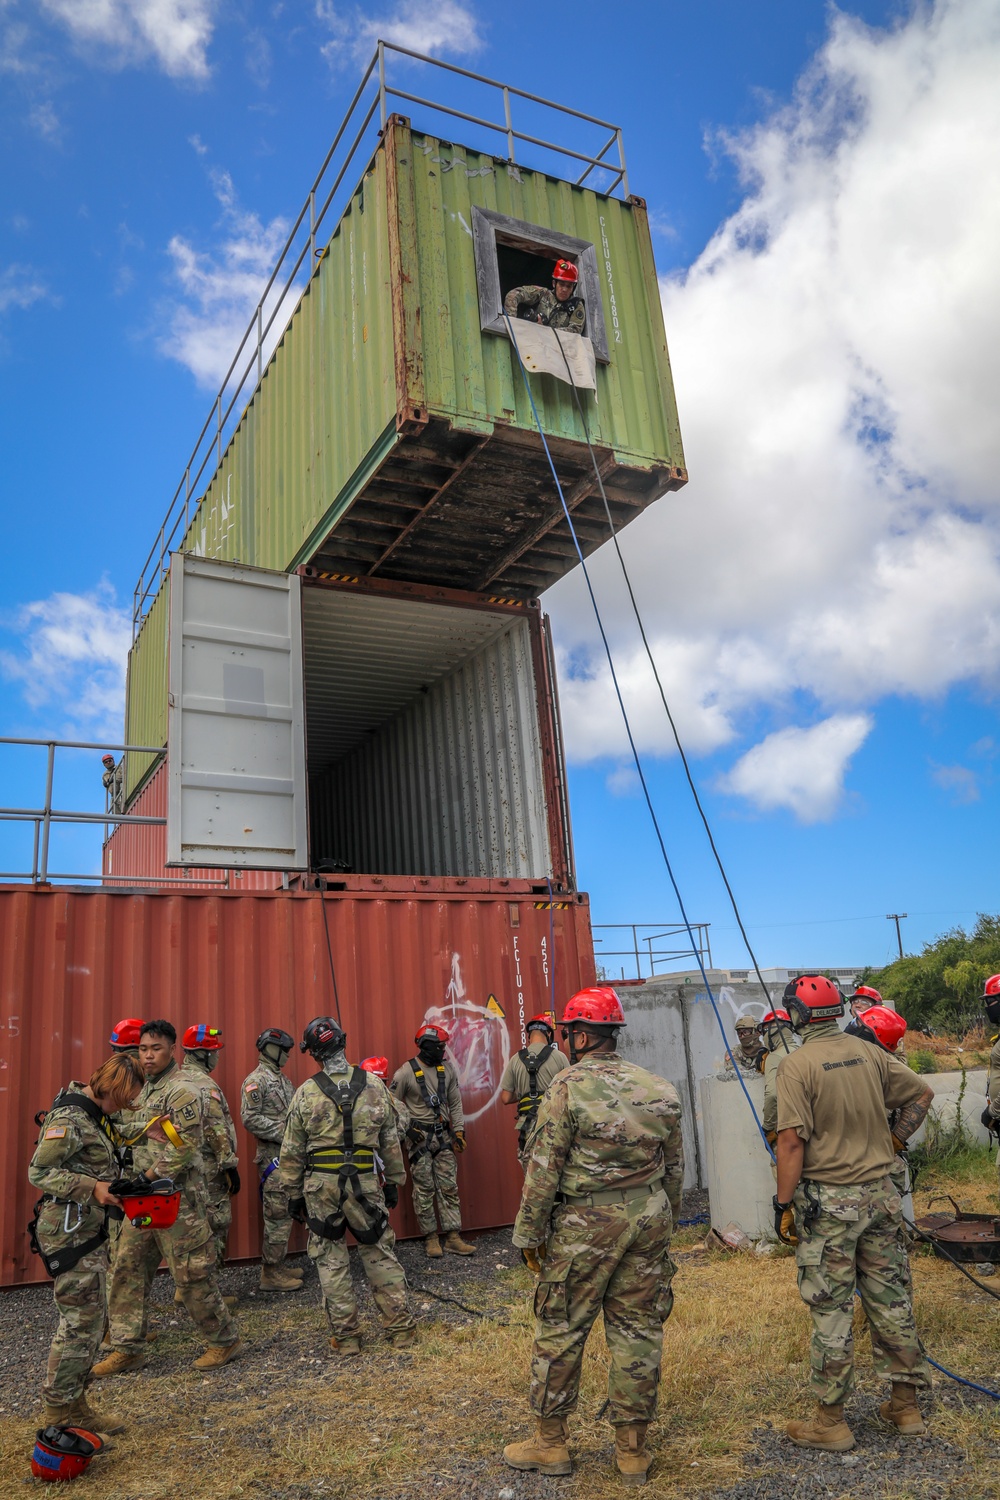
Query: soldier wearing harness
(528,1074)
(427,1086)
(558,308)
(219,1159)
(74,1164)
(264,1100)
(339,1137)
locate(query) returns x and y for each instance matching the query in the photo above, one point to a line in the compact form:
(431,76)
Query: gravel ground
(925,1468)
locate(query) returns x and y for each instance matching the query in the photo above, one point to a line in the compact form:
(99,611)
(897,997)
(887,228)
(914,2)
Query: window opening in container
(513,252)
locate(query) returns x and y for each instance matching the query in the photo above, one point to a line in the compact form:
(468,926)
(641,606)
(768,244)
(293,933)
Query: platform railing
(42,818)
(298,262)
(641,946)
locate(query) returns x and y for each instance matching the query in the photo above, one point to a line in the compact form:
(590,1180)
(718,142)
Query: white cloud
(959,781)
(70,657)
(44,119)
(175,34)
(221,288)
(800,769)
(836,351)
(445,28)
(20,286)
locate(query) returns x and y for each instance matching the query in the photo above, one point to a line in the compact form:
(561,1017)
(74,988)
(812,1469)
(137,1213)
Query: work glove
(987,1118)
(533,1258)
(232,1177)
(140,1186)
(771,1136)
(297,1209)
(416,1136)
(459,1142)
(784,1222)
(391,1194)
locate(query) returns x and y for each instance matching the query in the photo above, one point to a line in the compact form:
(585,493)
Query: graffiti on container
(479,1043)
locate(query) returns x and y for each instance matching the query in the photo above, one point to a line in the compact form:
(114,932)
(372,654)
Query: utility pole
(897,917)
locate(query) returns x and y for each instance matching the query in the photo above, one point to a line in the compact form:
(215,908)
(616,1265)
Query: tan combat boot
(278,1279)
(406,1338)
(455,1243)
(217,1355)
(546,1451)
(117,1363)
(630,1452)
(57,1416)
(826,1430)
(104,1423)
(902,1410)
(432,1246)
(178,1296)
(346,1348)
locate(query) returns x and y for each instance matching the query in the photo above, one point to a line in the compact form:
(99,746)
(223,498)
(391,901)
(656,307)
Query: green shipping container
(391,435)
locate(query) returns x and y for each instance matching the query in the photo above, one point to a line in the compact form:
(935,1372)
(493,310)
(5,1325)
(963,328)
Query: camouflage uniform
(315,1124)
(433,1168)
(73,1153)
(187,1245)
(218,1151)
(264,1101)
(993,1089)
(849,1228)
(546,308)
(602,1188)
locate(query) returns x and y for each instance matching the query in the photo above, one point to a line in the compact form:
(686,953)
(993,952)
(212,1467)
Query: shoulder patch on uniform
(251,1088)
(188,1112)
(216,1094)
(56,1133)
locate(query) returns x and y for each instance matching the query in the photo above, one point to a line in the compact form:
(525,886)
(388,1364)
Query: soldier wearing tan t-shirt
(528,1074)
(835,1153)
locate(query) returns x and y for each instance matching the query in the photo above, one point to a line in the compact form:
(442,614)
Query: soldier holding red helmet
(602,1187)
(427,1087)
(835,1153)
(558,308)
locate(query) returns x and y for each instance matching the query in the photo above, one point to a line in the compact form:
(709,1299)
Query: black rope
(948,1256)
(663,697)
(329,950)
(476,1312)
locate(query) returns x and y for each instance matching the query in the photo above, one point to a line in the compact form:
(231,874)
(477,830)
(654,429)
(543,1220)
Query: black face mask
(432,1052)
(992,1009)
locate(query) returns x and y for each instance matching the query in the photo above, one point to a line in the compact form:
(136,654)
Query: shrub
(923,1062)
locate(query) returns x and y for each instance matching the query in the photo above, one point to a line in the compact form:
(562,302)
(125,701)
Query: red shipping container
(479,955)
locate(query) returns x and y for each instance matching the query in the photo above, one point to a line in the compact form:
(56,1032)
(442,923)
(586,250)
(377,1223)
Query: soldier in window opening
(428,1087)
(557,308)
(528,1074)
(749,1052)
(264,1100)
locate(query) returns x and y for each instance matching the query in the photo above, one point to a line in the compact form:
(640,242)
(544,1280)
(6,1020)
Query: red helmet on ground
(776,1015)
(377,1065)
(202,1039)
(63,1452)
(564,270)
(991,987)
(541,1023)
(811,998)
(126,1033)
(599,1006)
(152,1210)
(865,992)
(888,1025)
(432,1033)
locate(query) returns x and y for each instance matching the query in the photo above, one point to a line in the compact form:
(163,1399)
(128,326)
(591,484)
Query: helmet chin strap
(575,1052)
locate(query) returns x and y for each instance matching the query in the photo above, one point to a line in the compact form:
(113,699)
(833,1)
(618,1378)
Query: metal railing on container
(43,818)
(279,298)
(641,949)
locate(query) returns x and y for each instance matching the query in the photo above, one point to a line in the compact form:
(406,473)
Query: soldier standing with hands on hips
(837,1204)
(427,1086)
(602,1188)
(264,1100)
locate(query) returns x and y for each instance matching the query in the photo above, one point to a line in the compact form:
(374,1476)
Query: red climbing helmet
(564,270)
(865,992)
(888,1025)
(126,1033)
(541,1023)
(152,1210)
(432,1033)
(776,1015)
(991,987)
(811,998)
(202,1039)
(63,1452)
(377,1065)
(599,1006)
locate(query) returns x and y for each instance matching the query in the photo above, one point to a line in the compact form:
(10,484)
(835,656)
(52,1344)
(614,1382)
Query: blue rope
(631,739)
(961,1380)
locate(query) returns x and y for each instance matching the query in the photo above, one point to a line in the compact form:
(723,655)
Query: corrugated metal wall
(470,374)
(454,784)
(74,962)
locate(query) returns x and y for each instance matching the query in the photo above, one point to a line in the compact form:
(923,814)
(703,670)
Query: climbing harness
(437,1134)
(272,1166)
(527,1104)
(347,1163)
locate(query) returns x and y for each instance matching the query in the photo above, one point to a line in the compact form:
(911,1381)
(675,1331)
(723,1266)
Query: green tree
(942,986)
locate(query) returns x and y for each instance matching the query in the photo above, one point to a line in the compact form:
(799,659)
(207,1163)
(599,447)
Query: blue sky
(823,595)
